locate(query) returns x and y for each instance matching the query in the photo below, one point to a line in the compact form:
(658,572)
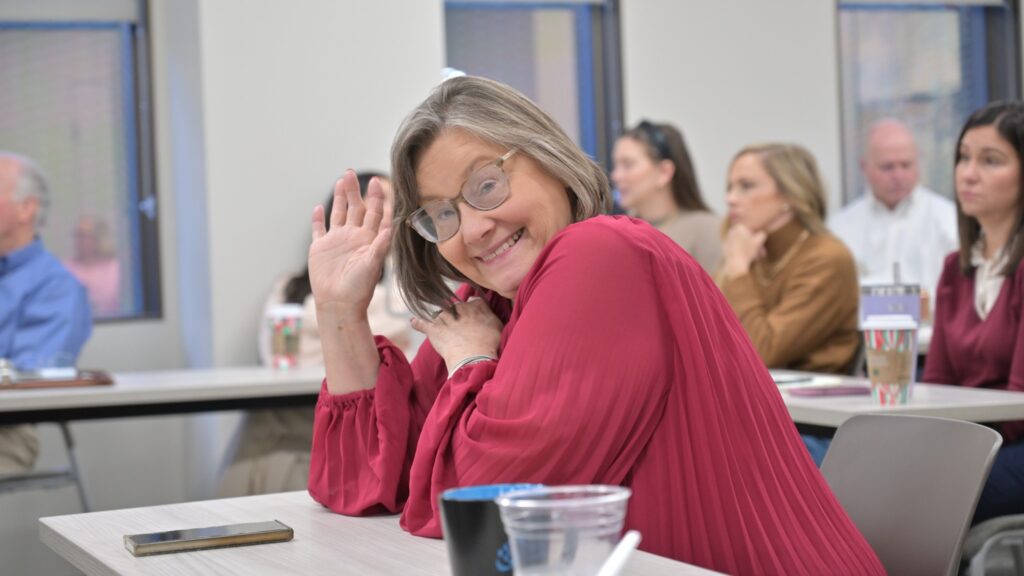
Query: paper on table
(795,380)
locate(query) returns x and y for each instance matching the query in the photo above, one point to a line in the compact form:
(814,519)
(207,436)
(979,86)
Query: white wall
(259,105)
(294,93)
(734,72)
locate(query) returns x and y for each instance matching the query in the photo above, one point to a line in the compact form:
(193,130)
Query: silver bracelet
(470,360)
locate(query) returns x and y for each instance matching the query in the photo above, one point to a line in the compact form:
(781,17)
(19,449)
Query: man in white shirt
(897,221)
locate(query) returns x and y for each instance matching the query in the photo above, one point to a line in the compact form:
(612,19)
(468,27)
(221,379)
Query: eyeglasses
(485,189)
(656,137)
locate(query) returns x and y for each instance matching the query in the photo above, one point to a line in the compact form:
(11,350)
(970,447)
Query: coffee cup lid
(889,322)
(285,311)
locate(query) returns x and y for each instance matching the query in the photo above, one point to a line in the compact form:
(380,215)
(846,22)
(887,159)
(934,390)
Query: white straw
(617,560)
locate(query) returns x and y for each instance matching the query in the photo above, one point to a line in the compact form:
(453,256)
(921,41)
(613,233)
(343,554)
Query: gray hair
(30,184)
(497,114)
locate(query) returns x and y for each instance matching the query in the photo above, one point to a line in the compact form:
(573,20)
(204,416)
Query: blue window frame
(540,48)
(929,65)
(74,97)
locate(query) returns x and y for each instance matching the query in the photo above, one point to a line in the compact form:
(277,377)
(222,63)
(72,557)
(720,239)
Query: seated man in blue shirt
(44,312)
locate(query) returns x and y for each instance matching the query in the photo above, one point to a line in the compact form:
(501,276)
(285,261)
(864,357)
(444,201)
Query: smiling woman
(581,349)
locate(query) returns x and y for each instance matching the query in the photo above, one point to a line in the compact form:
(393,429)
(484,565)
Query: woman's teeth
(501,249)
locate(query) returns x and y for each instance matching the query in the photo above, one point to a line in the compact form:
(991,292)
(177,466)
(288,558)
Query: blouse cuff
(346,400)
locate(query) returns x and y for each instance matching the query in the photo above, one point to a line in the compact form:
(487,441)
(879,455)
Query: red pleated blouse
(620,363)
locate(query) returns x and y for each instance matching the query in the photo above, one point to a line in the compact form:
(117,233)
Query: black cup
(477,543)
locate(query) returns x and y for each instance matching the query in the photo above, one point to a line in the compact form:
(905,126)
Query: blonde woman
(792,284)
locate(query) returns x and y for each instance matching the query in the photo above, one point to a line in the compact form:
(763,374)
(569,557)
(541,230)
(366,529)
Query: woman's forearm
(351,361)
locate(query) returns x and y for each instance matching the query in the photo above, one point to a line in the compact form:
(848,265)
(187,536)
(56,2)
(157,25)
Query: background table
(959,402)
(324,543)
(165,392)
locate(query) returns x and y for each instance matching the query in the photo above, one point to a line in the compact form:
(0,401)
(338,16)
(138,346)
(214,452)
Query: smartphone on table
(208,537)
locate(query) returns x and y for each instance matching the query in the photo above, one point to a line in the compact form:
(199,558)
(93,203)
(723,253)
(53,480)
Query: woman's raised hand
(345,262)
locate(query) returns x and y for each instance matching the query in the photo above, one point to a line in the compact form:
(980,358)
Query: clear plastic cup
(564,530)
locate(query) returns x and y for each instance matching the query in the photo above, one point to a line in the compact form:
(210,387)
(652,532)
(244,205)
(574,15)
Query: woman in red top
(580,349)
(978,338)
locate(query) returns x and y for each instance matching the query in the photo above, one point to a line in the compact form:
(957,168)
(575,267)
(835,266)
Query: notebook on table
(55,378)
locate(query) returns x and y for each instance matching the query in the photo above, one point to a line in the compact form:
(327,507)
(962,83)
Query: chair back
(910,484)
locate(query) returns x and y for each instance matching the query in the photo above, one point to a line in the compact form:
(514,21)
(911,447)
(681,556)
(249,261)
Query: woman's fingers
(381,244)
(339,207)
(318,223)
(375,201)
(356,208)
(418,325)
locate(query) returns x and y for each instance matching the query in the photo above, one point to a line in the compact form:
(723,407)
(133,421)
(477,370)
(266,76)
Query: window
(562,55)
(927,64)
(74,98)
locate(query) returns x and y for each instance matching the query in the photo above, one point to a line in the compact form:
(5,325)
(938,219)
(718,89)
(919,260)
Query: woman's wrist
(735,269)
(333,315)
(468,359)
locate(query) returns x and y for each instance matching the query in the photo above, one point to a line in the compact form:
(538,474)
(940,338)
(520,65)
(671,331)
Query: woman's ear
(666,171)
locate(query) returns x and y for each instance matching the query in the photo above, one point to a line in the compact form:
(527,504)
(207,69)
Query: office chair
(50,479)
(911,484)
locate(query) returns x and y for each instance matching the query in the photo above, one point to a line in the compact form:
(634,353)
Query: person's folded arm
(577,392)
(1014,431)
(807,312)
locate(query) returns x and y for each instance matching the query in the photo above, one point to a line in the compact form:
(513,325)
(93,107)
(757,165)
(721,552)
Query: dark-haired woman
(271,452)
(657,183)
(978,339)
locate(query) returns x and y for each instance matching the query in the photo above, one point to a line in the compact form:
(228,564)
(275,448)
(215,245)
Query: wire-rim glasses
(485,189)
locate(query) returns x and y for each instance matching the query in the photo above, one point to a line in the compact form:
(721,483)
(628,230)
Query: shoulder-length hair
(795,172)
(665,142)
(1008,119)
(497,114)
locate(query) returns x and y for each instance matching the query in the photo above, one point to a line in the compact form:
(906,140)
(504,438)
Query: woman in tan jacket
(792,284)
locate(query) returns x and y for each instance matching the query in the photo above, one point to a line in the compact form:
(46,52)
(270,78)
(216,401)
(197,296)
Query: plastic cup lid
(889,322)
(285,311)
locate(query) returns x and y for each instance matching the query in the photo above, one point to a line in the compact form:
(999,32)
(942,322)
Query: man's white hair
(30,184)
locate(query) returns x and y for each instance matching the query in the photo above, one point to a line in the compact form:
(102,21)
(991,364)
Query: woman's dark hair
(665,142)
(1008,119)
(298,289)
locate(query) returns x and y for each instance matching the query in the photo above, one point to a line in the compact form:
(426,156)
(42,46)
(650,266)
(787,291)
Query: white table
(961,403)
(165,392)
(324,543)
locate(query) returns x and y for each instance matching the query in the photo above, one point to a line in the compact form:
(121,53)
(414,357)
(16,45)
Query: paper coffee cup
(890,343)
(285,324)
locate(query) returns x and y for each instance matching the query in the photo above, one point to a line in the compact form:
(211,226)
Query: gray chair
(910,484)
(50,479)
(995,547)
